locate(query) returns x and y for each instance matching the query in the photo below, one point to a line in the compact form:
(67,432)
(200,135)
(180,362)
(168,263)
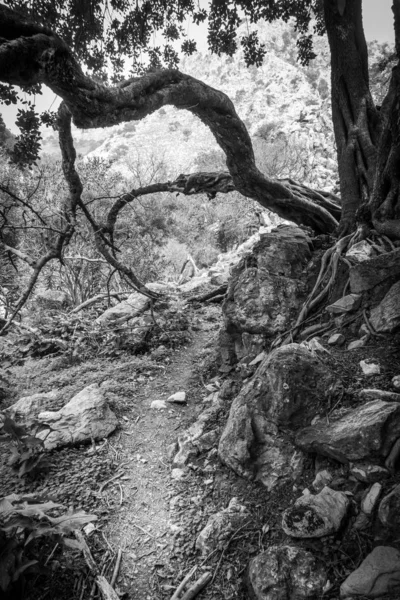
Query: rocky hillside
(286,108)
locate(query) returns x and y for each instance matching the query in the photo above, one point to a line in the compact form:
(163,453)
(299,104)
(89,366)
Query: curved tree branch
(31,55)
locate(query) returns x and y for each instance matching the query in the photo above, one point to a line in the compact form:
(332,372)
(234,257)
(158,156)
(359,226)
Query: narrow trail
(141,526)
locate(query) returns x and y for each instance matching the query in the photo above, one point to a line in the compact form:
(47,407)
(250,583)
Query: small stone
(315,516)
(364,331)
(178,398)
(158,404)
(360,252)
(378,575)
(367,473)
(389,511)
(345,305)
(370,369)
(178,474)
(322,479)
(337,339)
(357,343)
(396,382)
(369,502)
(259,358)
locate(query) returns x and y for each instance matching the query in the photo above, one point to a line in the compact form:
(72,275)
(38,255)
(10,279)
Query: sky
(378,25)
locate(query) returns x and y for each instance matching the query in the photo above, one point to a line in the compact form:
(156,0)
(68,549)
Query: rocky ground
(214,480)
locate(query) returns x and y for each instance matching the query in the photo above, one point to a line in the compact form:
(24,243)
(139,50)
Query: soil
(128,482)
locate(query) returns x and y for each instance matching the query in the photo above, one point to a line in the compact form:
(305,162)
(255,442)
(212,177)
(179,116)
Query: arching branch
(31,55)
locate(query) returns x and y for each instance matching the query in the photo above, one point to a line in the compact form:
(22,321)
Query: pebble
(158,404)
(370,368)
(178,474)
(178,397)
(369,502)
(337,339)
(357,343)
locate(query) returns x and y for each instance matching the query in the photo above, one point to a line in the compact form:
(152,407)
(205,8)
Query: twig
(51,554)
(144,531)
(184,581)
(103,485)
(197,587)
(116,568)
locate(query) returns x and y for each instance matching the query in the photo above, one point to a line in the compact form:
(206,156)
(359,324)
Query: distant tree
(51,42)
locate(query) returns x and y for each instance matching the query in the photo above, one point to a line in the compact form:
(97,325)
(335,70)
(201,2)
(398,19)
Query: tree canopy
(84,51)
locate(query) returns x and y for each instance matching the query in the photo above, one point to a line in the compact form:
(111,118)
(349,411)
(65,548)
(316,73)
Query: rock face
(386,316)
(265,291)
(315,516)
(366,432)
(220,526)
(286,573)
(378,574)
(286,392)
(369,273)
(85,417)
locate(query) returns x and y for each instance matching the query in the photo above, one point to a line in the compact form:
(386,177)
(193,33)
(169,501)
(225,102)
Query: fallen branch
(209,295)
(95,299)
(116,568)
(183,583)
(197,587)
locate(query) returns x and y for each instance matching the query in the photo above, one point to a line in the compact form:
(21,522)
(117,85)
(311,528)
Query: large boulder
(366,432)
(378,575)
(86,417)
(287,391)
(266,289)
(386,316)
(286,573)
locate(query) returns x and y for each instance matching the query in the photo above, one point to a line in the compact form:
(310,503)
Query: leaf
(341,4)
(67,523)
(18,572)
(74,544)
(16,431)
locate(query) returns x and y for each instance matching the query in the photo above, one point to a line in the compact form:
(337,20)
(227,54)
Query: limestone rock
(26,411)
(366,432)
(345,305)
(158,405)
(389,511)
(369,273)
(386,316)
(286,392)
(178,398)
(322,479)
(265,291)
(286,573)
(133,306)
(315,516)
(337,339)
(378,575)
(355,344)
(371,498)
(369,369)
(220,526)
(367,473)
(85,417)
(360,252)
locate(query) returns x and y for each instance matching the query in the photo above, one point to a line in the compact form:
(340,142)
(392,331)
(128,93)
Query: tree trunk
(356,120)
(384,204)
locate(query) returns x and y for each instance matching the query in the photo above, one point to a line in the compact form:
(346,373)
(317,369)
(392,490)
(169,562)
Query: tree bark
(356,120)
(31,55)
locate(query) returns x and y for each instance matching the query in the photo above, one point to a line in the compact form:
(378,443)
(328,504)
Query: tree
(43,43)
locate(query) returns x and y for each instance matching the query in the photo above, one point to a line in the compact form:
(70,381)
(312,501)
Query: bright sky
(378,25)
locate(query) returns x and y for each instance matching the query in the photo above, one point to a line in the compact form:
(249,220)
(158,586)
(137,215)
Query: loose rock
(367,473)
(370,369)
(378,575)
(389,511)
(315,516)
(85,417)
(220,526)
(337,339)
(345,305)
(386,316)
(286,573)
(366,432)
(158,404)
(371,498)
(354,345)
(178,398)
(396,382)
(370,273)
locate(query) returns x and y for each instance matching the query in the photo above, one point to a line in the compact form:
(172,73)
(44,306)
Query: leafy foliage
(23,521)
(27,451)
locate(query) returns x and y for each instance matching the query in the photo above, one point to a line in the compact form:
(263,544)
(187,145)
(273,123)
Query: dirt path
(141,526)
